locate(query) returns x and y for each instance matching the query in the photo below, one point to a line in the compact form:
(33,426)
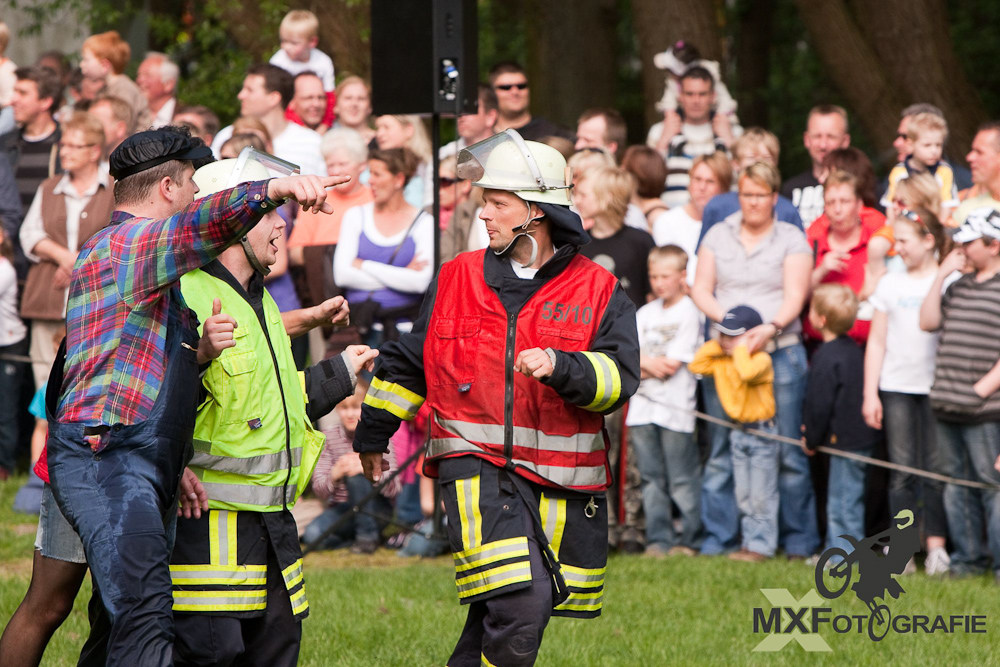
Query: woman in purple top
(385,248)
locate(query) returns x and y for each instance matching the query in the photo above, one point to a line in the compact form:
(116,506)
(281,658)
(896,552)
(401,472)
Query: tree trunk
(854,66)
(345,34)
(572,57)
(917,54)
(752,56)
(658,25)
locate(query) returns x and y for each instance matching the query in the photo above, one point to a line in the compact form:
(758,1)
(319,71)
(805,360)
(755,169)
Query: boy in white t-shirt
(299,34)
(660,416)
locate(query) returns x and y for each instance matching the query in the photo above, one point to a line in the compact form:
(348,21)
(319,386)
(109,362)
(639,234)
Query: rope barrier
(919,472)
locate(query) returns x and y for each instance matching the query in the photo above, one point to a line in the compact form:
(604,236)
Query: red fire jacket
(474,343)
(475,320)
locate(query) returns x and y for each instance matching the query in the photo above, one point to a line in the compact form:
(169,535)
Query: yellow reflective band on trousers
(492,579)
(228,600)
(299,602)
(222,537)
(205,575)
(514,547)
(609,381)
(471,520)
(393,398)
(553,515)
(586,588)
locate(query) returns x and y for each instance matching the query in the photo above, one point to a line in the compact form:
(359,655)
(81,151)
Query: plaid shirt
(120,295)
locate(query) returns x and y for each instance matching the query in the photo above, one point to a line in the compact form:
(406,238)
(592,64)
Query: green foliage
(974,48)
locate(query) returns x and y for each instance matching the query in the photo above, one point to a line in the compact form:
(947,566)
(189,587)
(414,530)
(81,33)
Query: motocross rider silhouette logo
(835,568)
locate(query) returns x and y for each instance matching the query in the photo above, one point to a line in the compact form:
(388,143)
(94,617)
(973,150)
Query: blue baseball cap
(738,321)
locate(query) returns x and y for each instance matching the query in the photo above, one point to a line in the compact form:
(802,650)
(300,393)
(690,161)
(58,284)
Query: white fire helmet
(531,170)
(251,165)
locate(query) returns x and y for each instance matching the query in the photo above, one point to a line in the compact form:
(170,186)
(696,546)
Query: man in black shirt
(826,130)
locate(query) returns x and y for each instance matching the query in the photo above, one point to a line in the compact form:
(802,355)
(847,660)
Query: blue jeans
(797,527)
(755,482)
(798,532)
(720,517)
(362,526)
(968,451)
(670,470)
(911,440)
(845,502)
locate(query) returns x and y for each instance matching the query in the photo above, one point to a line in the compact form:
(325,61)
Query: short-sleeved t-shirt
(908,365)
(675,333)
(625,254)
(754,279)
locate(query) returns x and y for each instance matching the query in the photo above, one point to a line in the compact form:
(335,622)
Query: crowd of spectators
(854,314)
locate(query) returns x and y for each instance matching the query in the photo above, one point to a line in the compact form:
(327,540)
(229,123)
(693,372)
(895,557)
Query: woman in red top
(850,242)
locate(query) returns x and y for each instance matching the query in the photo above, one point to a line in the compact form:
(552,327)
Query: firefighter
(519,350)
(238,588)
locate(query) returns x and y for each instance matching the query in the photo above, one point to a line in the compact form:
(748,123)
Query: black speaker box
(424,56)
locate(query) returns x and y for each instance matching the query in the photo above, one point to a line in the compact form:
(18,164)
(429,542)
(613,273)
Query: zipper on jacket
(508,409)
(284,407)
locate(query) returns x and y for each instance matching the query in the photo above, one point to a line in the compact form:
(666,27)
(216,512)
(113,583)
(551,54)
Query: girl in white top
(899,371)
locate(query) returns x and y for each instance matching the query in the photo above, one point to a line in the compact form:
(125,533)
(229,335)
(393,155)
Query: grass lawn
(386,610)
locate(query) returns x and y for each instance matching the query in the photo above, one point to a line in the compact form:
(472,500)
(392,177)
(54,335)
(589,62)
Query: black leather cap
(147,149)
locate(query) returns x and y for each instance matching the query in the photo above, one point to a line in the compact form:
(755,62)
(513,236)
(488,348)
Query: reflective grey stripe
(222,526)
(563,476)
(256,598)
(247,494)
(609,385)
(578,476)
(397,400)
(294,573)
(581,443)
(491,579)
(234,576)
(442,446)
(470,513)
(264,464)
(575,578)
(550,517)
(490,553)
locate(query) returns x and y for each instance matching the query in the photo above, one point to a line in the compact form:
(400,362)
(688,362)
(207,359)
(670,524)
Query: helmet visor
(503,162)
(274,164)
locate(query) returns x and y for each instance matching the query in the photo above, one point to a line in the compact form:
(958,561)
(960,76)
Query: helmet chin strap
(252,258)
(524,233)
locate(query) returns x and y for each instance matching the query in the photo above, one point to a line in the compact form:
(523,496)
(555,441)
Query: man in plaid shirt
(122,405)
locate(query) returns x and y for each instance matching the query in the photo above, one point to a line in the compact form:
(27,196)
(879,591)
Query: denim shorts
(55,537)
